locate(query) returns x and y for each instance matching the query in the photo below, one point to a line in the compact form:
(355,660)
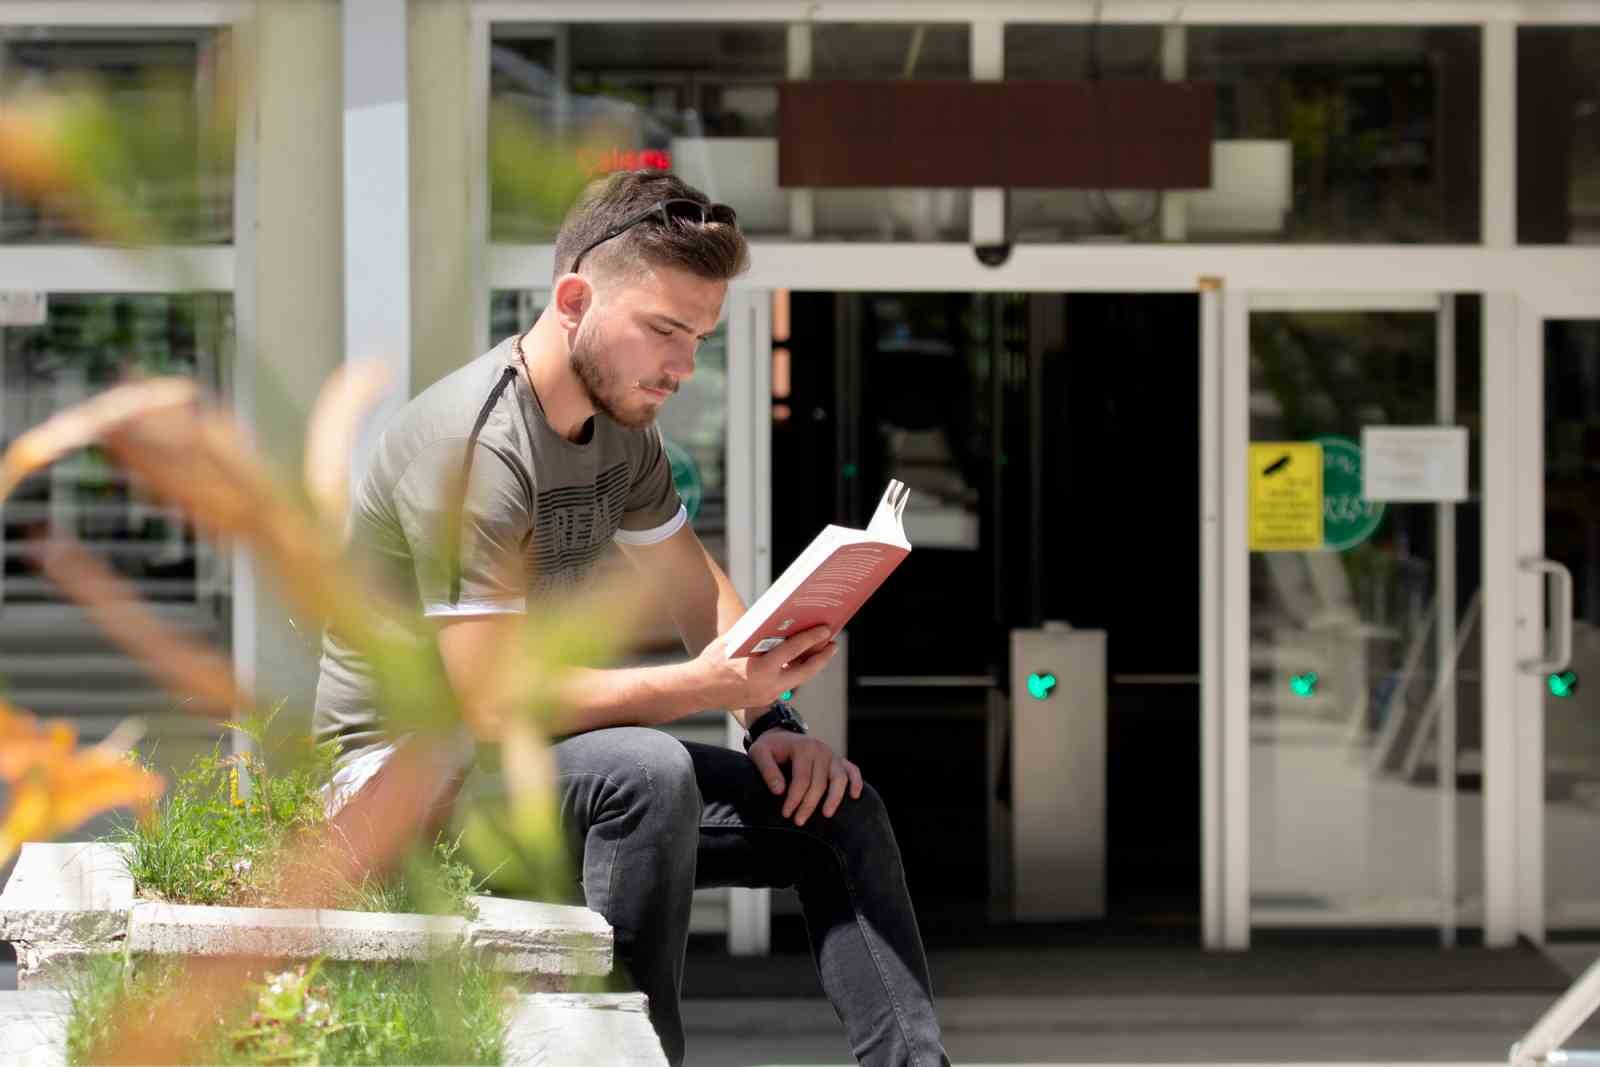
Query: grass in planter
(450,1011)
(212,841)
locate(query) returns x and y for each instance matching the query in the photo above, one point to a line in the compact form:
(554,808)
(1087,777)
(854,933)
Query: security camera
(993,255)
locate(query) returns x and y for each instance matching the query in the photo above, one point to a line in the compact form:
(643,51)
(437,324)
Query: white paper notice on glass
(24,308)
(1410,464)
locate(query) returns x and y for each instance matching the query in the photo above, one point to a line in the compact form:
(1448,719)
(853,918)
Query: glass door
(1561,579)
(1353,752)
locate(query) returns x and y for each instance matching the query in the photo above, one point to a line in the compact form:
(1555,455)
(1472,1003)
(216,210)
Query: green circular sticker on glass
(685,476)
(1348,518)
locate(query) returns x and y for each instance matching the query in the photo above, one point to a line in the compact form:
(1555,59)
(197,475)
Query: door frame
(1523,760)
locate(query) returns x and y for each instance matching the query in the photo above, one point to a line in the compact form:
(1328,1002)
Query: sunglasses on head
(666,212)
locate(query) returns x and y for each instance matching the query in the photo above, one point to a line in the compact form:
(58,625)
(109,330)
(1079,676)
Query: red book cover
(828,582)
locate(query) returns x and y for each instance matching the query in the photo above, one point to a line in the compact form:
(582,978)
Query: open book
(828,582)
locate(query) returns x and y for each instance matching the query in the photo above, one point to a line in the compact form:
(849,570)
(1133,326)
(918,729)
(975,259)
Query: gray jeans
(654,818)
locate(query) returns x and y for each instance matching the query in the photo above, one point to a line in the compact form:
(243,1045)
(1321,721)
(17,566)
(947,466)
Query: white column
(988,65)
(1175,68)
(1212,637)
(1445,635)
(445,331)
(377,211)
(289,312)
(802,202)
(1527,710)
(1505,629)
(1499,146)
(1234,742)
(749,532)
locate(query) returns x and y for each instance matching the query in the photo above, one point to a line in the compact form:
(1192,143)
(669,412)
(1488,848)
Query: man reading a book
(497,489)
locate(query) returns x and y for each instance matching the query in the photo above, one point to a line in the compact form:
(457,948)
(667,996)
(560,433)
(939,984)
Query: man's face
(638,340)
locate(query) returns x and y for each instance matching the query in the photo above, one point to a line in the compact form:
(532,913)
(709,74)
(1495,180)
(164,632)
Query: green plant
(213,839)
(449,1011)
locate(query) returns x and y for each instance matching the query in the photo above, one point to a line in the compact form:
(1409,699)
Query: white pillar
(288,308)
(1499,148)
(802,202)
(988,65)
(377,214)
(1175,68)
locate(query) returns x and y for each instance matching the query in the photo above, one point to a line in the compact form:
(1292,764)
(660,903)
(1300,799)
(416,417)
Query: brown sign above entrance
(1049,134)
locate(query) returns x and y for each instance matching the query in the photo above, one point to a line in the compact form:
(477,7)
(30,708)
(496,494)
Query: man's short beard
(600,382)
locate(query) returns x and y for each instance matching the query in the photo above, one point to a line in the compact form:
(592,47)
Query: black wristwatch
(780,716)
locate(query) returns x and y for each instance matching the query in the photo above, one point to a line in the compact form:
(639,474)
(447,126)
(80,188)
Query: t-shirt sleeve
(652,511)
(496,521)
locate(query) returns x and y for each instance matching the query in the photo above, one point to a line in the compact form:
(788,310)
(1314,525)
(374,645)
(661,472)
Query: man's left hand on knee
(816,774)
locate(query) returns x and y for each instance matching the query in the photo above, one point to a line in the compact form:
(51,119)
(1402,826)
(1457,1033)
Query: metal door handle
(1560,617)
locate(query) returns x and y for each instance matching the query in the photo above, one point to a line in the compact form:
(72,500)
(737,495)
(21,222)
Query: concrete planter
(65,902)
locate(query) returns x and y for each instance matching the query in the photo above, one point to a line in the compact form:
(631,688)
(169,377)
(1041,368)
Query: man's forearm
(633,696)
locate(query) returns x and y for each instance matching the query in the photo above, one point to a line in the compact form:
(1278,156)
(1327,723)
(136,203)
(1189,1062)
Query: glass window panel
(161,84)
(870,51)
(1558,135)
(1323,134)
(88,343)
(699,99)
(1073,53)
(1348,682)
(1572,696)
(1380,127)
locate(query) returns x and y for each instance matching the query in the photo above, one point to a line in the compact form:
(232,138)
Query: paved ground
(1245,1024)
(1441,1029)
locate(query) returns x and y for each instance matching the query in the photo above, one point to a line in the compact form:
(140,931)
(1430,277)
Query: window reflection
(161,85)
(868,51)
(700,100)
(1558,134)
(88,343)
(1381,125)
(1348,683)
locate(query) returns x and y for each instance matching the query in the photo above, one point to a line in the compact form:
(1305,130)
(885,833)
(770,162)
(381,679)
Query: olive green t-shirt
(539,511)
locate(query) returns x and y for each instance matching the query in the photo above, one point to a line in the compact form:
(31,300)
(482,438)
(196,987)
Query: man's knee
(659,771)
(861,822)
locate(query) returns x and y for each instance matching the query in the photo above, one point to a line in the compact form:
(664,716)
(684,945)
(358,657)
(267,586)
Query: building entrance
(1051,443)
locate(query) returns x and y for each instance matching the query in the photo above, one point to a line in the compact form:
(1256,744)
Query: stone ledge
(289,933)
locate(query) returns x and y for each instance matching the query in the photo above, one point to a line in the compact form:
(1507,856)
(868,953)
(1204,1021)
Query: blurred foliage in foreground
(83,155)
(452,1012)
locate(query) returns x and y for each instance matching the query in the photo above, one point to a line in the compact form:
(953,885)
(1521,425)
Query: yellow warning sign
(1285,497)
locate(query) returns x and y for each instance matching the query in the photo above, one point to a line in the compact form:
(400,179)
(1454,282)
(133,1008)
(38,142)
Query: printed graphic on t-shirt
(572,527)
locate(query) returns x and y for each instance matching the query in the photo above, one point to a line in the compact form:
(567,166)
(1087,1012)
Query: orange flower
(55,787)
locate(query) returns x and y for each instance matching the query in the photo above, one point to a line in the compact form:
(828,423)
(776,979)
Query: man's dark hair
(712,250)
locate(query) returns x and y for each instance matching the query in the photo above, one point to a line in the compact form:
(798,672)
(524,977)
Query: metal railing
(1541,1046)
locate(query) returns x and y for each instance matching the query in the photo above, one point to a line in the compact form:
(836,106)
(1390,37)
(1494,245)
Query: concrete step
(543,1030)
(33,1029)
(71,669)
(94,710)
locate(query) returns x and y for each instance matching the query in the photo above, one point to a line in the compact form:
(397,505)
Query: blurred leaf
(330,439)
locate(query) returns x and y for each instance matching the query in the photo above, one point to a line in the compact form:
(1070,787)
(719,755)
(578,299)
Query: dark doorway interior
(1053,441)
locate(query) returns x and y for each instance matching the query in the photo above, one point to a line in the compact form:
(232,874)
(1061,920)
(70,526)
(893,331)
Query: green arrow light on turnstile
(1039,685)
(1563,684)
(1304,685)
